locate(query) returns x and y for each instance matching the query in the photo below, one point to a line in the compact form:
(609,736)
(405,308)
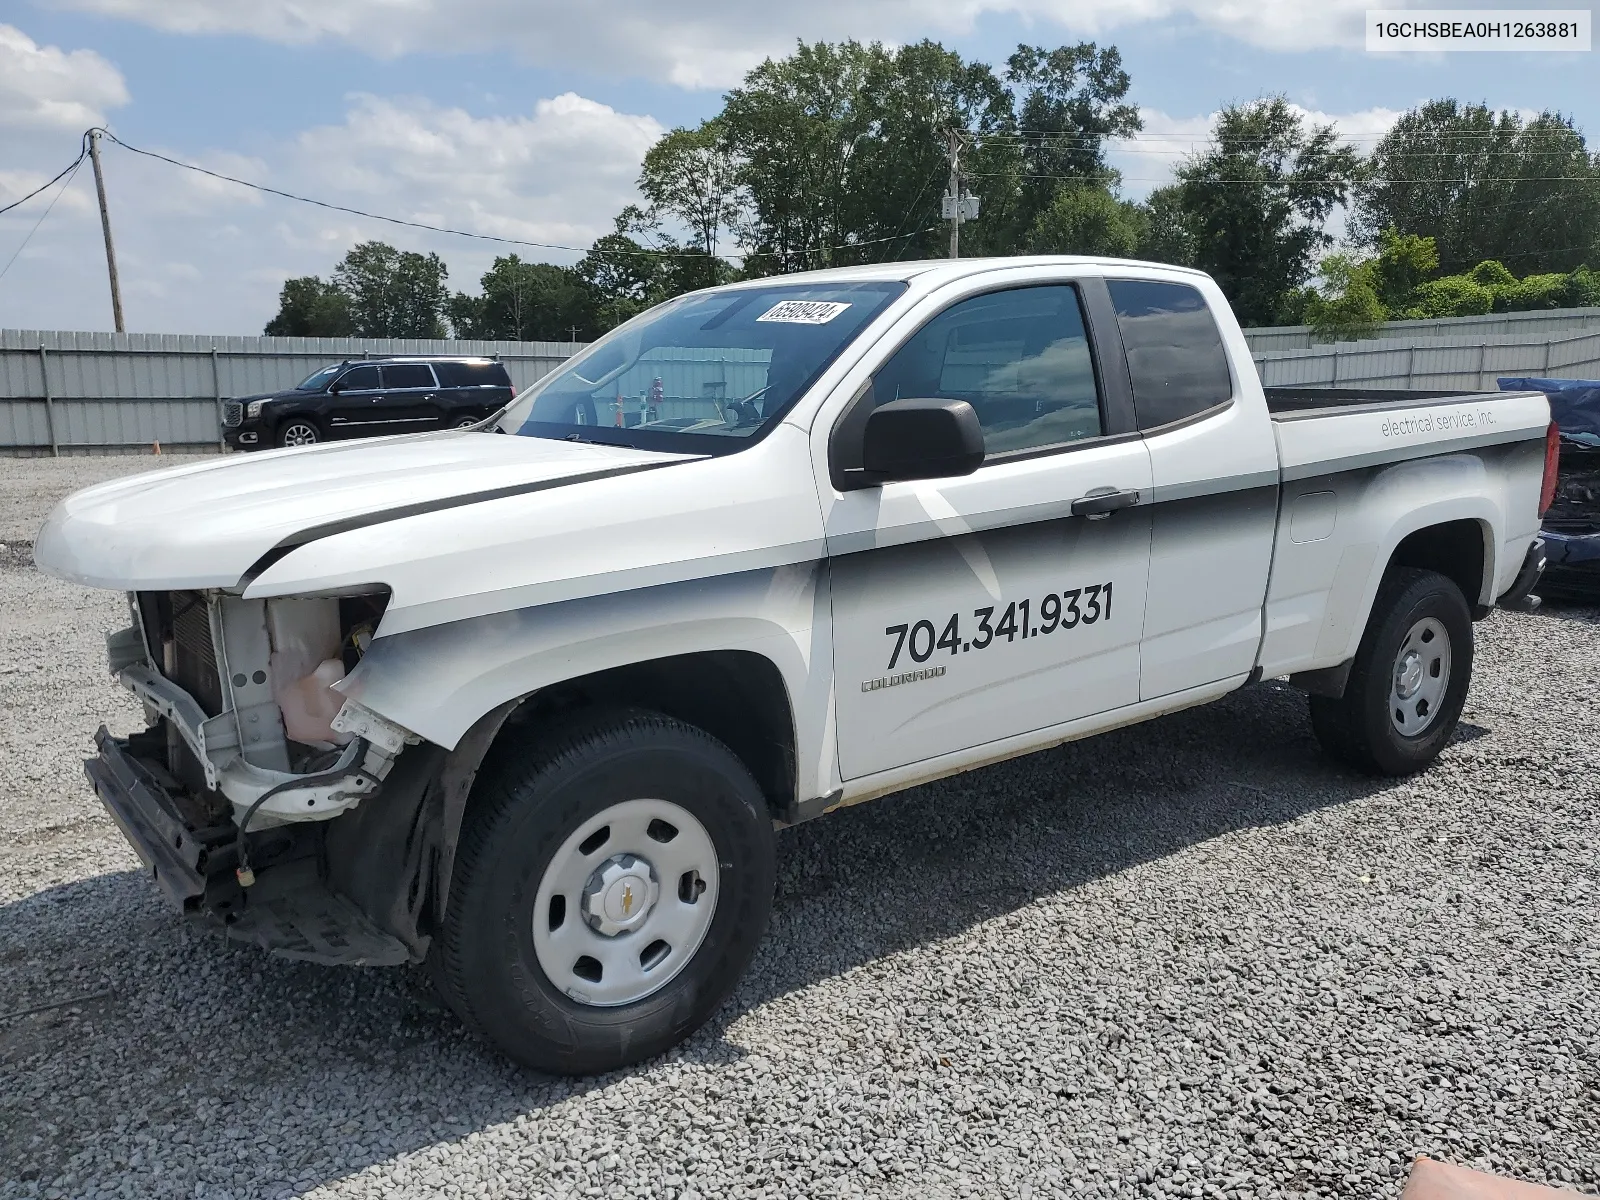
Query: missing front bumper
(181,859)
(291,912)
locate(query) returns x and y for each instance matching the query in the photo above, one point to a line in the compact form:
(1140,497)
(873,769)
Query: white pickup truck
(528,701)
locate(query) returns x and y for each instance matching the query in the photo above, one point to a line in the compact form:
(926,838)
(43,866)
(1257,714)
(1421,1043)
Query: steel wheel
(299,433)
(625,902)
(1420,678)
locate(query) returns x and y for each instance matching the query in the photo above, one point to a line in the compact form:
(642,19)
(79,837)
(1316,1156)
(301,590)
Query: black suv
(368,399)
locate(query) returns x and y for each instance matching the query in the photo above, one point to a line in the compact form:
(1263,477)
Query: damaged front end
(240,794)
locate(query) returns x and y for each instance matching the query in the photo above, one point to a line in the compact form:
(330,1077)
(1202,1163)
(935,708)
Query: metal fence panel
(82,390)
(1522,326)
(1461,362)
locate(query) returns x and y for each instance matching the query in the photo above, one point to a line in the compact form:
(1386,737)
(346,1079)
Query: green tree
(1164,234)
(393,293)
(1087,219)
(623,278)
(524,302)
(1072,99)
(692,175)
(1253,203)
(1346,307)
(1485,186)
(843,146)
(311,307)
(1404,263)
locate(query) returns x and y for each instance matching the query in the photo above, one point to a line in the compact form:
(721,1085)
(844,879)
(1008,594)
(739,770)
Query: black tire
(463,422)
(524,807)
(290,432)
(1359,726)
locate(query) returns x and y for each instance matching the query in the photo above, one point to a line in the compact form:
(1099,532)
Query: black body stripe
(315,533)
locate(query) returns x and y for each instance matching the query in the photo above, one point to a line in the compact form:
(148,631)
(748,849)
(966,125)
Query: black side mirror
(335,388)
(920,439)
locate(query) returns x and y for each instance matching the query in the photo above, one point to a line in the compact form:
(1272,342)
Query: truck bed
(1282,401)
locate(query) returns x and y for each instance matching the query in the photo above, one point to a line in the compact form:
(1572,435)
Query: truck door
(968,610)
(1215,465)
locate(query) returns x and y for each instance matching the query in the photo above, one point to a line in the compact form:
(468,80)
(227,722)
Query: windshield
(318,380)
(705,372)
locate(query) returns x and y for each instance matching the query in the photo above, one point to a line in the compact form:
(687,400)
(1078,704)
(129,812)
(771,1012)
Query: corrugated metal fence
(1521,327)
(99,392)
(1465,362)
(77,393)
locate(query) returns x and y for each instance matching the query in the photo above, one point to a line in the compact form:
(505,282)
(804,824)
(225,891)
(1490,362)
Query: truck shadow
(179,1040)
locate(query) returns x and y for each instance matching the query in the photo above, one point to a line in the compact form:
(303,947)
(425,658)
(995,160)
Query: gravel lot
(1193,958)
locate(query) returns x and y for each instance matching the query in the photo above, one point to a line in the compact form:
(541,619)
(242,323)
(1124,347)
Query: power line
(71,166)
(70,177)
(485,237)
(1352,180)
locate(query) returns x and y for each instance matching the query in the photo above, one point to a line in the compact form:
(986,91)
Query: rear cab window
(1176,360)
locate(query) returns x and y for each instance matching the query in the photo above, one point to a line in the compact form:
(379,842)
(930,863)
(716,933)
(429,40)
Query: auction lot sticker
(804,312)
(1436,29)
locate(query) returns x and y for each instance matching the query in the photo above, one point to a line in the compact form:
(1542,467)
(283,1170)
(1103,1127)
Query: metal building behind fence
(95,392)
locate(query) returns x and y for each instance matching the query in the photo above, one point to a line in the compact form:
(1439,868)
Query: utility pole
(105,224)
(953,149)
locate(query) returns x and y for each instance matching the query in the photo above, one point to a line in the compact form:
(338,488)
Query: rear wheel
(613,882)
(465,422)
(1409,681)
(299,431)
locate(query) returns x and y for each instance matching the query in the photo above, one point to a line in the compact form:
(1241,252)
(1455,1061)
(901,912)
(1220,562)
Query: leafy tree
(311,307)
(1347,307)
(842,150)
(1485,186)
(525,302)
(1253,203)
(1087,219)
(1404,263)
(393,293)
(1164,235)
(1072,100)
(622,276)
(692,175)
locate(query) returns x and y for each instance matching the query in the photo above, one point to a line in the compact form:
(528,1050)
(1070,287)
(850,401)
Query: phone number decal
(1056,612)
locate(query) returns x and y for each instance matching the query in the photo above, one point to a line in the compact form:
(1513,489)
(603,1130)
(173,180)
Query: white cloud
(43,88)
(707,43)
(199,254)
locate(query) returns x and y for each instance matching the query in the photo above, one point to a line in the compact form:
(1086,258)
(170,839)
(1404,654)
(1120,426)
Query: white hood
(206,525)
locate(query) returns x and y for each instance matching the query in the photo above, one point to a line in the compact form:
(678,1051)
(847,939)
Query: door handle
(1099,504)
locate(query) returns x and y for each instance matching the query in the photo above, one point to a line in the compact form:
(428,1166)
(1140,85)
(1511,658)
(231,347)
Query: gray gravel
(1193,958)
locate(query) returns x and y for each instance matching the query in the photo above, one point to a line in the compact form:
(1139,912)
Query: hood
(207,525)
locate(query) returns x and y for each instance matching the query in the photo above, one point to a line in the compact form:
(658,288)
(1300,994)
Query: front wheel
(299,431)
(612,884)
(1409,680)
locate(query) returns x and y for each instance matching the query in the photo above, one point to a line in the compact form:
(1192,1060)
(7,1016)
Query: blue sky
(527,118)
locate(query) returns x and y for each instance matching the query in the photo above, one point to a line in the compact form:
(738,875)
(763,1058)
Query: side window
(407,375)
(359,379)
(1019,357)
(1175,354)
(471,374)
